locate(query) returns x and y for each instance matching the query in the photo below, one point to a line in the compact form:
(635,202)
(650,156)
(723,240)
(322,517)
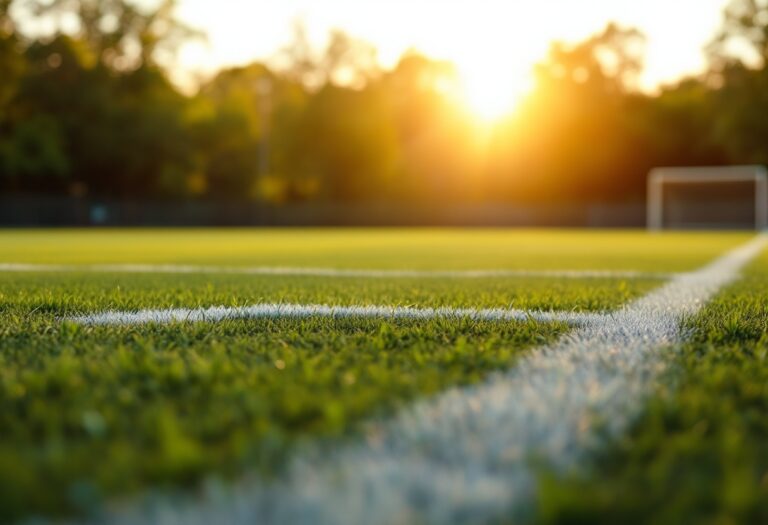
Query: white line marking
(465,456)
(299,311)
(330,272)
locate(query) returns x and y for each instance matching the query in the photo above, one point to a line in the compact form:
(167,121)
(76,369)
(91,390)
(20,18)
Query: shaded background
(92,131)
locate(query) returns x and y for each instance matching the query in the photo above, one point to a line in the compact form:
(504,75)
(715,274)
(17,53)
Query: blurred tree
(6,22)
(435,137)
(739,58)
(35,155)
(345,61)
(121,35)
(335,132)
(346,139)
(741,102)
(32,156)
(119,129)
(89,107)
(228,134)
(349,61)
(151,148)
(677,127)
(609,62)
(574,138)
(11,59)
(744,35)
(243,121)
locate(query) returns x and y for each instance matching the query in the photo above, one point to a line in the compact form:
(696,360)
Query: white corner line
(302,311)
(465,455)
(328,272)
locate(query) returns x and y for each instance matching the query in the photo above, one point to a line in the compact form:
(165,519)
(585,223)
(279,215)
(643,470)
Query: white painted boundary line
(329,272)
(299,311)
(464,456)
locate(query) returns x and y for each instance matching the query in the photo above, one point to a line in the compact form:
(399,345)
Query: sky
(516,31)
(477,35)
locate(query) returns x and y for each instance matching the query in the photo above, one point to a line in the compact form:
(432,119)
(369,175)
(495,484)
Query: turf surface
(699,454)
(374,248)
(168,404)
(88,413)
(69,294)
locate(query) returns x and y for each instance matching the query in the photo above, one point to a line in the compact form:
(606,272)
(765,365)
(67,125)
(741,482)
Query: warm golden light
(490,94)
(494,54)
(492,42)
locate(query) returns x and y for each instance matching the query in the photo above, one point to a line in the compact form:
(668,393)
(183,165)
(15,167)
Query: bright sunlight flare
(494,43)
(494,73)
(491,94)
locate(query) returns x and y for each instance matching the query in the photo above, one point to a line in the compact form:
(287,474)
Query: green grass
(373,248)
(88,413)
(108,410)
(162,405)
(699,454)
(69,294)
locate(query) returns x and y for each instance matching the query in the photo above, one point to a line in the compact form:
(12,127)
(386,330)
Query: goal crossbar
(706,175)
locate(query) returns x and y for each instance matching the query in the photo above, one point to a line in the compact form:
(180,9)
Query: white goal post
(659,178)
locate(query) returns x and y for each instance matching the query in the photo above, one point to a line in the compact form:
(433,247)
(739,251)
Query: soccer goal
(728,197)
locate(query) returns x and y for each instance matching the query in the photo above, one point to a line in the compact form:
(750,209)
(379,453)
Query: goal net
(729,197)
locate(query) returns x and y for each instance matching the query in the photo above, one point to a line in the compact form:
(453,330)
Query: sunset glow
(490,92)
(494,44)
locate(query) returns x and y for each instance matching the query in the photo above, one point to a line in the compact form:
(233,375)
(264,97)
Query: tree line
(87,108)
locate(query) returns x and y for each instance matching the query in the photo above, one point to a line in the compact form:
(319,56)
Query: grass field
(384,248)
(698,454)
(90,414)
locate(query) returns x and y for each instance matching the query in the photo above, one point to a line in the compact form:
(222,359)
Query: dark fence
(35,210)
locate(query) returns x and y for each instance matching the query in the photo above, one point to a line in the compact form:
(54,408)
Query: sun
(489,88)
(490,95)
(492,84)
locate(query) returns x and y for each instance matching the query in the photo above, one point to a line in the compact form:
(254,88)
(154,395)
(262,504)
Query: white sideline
(301,311)
(468,455)
(328,272)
